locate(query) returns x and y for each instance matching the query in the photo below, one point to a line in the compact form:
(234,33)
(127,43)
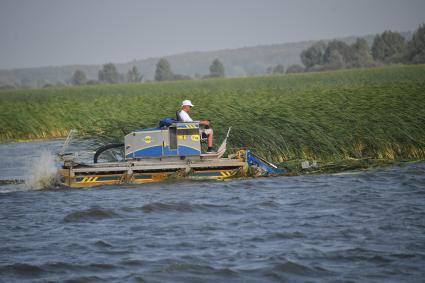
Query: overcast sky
(57,32)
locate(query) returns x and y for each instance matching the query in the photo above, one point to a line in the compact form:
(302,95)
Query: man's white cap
(188,103)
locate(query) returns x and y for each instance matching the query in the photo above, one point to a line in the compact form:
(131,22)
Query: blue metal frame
(252,159)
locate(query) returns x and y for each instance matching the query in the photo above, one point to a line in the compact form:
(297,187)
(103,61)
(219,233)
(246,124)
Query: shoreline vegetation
(356,114)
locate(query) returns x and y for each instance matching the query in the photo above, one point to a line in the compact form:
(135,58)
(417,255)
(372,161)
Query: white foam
(42,172)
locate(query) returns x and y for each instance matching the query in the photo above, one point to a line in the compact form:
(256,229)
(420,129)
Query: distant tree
(269,70)
(416,46)
(334,60)
(109,74)
(295,69)
(216,69)
(78,78)
(313,55)
(361,56)
(133,75)
(279,69)
(163,71)
(334,50)
(387,46)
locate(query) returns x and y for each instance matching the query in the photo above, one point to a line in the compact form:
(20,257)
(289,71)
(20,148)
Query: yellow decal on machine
(182,137)
(148,139)
(195,137)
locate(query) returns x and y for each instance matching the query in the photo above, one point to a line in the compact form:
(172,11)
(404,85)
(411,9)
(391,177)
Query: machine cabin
(180,139)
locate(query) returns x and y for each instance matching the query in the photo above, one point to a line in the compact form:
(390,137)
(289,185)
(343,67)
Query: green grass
(366,113)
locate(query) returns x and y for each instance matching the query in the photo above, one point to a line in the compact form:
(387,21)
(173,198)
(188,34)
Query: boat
(171,151)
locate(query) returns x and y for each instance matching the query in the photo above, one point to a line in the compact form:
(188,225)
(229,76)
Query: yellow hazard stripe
(226,173)
(89,179)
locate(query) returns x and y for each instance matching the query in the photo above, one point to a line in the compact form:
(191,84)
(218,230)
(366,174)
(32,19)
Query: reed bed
(352,114)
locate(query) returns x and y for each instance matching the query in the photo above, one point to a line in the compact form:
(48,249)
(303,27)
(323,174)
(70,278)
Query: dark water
(357,227)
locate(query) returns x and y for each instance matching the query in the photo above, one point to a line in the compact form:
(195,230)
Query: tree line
(109,74)
(387,48)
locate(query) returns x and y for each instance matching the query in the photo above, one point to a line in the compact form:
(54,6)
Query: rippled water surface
(359,227)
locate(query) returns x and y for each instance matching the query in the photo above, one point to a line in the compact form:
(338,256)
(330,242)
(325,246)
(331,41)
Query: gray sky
(58,32)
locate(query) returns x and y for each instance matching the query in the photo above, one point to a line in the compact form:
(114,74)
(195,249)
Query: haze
(57,32)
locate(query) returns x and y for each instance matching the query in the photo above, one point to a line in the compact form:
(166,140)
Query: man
(183,115)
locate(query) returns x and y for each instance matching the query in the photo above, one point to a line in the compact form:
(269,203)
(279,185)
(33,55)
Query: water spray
(42,172)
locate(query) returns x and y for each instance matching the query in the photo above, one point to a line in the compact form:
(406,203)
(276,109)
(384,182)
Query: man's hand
(206,123)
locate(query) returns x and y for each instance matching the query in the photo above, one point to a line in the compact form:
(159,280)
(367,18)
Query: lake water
(366,226)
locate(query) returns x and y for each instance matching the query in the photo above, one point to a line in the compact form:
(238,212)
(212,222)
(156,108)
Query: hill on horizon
(239,62)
